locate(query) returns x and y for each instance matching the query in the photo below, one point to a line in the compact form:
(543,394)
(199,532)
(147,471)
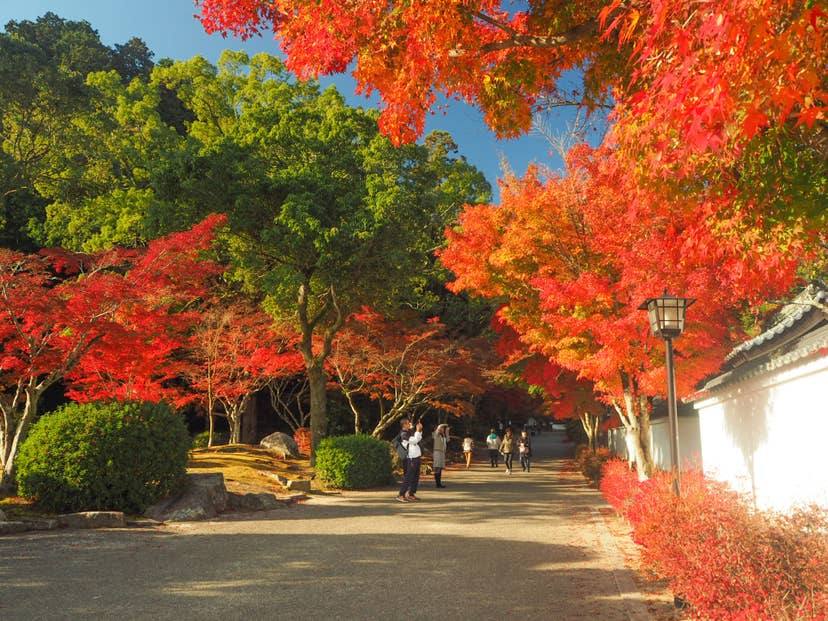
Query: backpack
(399,449)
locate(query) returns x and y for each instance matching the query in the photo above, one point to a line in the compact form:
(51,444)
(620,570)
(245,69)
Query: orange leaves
(410,51)
(718,73)
(573,257)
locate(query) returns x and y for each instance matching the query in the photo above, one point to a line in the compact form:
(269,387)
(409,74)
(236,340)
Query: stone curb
(634,605)
(81,520)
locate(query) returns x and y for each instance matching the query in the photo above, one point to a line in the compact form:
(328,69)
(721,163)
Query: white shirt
(414,445)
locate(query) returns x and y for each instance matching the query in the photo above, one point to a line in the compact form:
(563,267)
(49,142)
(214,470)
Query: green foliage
(114,456)
(201,439)
(353,462)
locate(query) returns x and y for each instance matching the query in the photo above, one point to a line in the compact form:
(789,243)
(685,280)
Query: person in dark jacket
(524,450)
(411,481)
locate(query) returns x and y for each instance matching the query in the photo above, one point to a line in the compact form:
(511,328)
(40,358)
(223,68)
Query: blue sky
(170,29)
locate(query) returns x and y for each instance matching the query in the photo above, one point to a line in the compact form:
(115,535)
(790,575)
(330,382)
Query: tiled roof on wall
(800,330)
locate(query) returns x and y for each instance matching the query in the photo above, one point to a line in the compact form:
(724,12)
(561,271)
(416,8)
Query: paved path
(489,546)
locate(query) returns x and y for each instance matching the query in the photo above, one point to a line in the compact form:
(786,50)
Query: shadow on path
(490,546)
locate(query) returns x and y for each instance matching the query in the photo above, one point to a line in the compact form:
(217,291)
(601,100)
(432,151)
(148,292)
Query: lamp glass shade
(667,315)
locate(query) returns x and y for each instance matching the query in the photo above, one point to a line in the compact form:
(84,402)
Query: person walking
(441,438)
(493,444)
(524,450)
(411,480)
(506,448)
(468,447)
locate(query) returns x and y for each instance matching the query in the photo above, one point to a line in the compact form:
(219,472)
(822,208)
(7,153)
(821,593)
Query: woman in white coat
(441,438)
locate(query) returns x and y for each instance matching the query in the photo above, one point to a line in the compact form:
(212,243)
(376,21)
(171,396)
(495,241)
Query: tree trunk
(250,421)
(636,419)
(212,425)
(349,397)
(590,425)
(235,414)
(319,406)
(7,479)
(314,362)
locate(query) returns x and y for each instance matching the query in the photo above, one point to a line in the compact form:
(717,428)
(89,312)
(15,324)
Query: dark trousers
(493,457)
(411,481)
(507,459)
(524,462)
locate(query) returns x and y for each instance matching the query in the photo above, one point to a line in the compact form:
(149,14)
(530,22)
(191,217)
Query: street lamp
(667,315)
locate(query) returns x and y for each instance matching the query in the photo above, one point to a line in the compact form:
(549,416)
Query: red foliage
(110,323)
(404,366)
(236,350)
(139,354)
(574,256)
(303,439)
(619,484)
(687,77)
(725,559)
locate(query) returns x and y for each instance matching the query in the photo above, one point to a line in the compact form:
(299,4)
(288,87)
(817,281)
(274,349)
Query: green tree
(44,66)
(326,214)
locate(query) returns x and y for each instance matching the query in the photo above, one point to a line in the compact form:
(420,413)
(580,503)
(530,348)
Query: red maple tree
(106,322)
(403,367)
(574,256)
(235,351)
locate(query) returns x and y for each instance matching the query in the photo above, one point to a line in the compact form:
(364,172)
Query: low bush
(104,456)
(353,462)
(202,439)
(619,483)
(590,463)
(727,560)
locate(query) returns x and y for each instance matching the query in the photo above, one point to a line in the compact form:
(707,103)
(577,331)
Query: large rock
(281,443)
(92,519)
(296,485)
(253,502)
(204,497)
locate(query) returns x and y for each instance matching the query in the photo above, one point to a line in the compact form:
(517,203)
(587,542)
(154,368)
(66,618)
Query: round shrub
(103,456)
(353,462)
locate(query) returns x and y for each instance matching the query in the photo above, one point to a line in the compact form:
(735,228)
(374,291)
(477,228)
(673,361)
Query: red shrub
(727,560)
(303,440)
(619,484)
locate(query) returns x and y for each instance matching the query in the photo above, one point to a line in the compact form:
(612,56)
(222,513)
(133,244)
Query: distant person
(524,450)
(411,480)
(441,438)
(468,447)
(506,448)
(493,444)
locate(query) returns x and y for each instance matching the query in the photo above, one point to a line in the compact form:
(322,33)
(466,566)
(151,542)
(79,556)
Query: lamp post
(667,315)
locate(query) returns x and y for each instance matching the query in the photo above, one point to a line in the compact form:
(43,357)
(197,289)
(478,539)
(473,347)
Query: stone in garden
(92,519)
(10,528)
(302,485)
(281,443)
(253,502)
(204,497)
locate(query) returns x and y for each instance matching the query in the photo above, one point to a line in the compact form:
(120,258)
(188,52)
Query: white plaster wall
(766,436)
(689,443)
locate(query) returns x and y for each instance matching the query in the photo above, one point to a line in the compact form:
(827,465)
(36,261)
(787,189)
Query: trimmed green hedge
(353,462)
(103,456)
